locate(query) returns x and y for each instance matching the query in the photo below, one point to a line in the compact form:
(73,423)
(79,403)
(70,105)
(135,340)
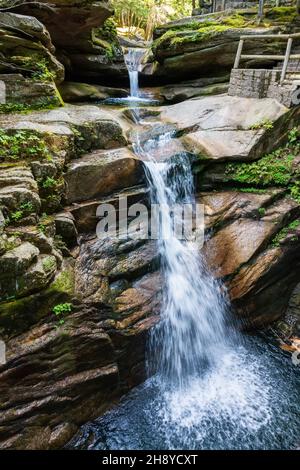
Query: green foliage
(49,182)
(261,211)
(284,232)
(51,102)
(43,223)
(42,72)
(250,190)
(198,32)
(295,191)
(22,144)
(264,124)
(274,169)
(145,15)
(49,263)
(22,211)
(109,30)
(60,310)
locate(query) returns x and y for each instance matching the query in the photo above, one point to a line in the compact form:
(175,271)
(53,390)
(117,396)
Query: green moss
(284,232)
(44,103)
(16,316)
(65,282)
(283,14)
(198,32)
(107,38)
(264,124)
(249,190)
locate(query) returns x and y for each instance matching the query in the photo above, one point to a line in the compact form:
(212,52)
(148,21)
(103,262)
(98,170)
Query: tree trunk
(261,9)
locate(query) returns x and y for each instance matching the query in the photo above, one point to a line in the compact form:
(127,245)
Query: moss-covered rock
(202,46)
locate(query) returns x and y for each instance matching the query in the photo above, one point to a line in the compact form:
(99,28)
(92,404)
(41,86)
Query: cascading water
(192,333)
(133,60)
(211,387)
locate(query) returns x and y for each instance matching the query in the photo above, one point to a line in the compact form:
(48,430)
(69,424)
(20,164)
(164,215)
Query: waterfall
(209,387)
(192,333)
(133,60)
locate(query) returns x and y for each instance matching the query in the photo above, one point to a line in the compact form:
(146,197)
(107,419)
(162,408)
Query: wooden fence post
(286,59)
(238,54)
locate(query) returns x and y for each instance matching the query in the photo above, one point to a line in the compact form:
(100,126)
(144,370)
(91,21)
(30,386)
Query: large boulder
(100,173)
(23,271)
(217,127)
(86,45)
(69,131)
(26,48)
(203,45)
(254,237)
(75,91)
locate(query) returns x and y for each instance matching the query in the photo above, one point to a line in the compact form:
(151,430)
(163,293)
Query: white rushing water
(192,333)
(133,60)
(209,387)
(207,379)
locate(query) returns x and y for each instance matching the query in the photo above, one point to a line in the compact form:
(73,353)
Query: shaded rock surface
(81,353)
(86,51)
(25,44)
(74,91)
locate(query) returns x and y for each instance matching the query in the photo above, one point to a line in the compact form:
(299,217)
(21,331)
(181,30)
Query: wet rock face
(101,173)
(242,250)
(85,358)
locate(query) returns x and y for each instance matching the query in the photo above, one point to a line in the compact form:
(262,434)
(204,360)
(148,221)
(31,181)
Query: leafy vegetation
(284,232)
(142,16)
(49,263)
(274,169)
(39,105)
(21,145)
(42,72)
(25,209)
(60,310)
(265,124)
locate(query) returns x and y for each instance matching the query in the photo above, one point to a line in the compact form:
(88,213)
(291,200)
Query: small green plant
(273,169)
(295,191)
(49,182)
(293,137)
(49,263)
(42,225)
(284,232)
(22,144)
(16,216)
(60,310)
(22,211)
(261,211)
(51,102)
(42,72)
(265,124)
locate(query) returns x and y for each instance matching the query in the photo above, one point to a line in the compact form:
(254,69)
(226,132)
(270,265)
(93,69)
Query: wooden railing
(286,58)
